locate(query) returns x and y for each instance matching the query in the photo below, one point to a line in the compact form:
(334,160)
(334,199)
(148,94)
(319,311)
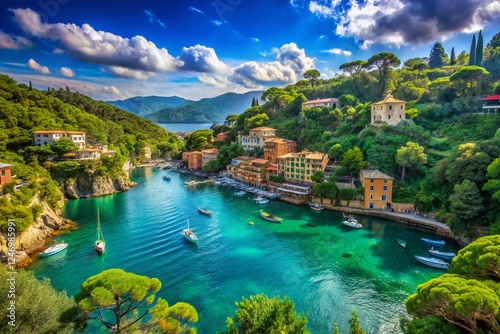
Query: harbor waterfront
(326,268)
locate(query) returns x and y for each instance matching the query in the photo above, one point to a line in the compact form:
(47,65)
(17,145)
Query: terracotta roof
(375,174)
(262,128)
(272,168)
(279,140)
(388,99)
(210,151)
(59,131)
(492,98)
(259,161)
(321,101)
(316,156)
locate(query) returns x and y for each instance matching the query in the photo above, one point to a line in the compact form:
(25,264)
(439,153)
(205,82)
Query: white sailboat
(189,235)
(99,244)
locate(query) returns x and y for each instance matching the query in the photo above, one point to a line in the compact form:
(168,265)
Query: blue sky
(192,48)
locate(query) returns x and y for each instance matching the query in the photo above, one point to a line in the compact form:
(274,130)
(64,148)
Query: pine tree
(453,60)
(472,53)
(479,49)
(437,56)
(30,86)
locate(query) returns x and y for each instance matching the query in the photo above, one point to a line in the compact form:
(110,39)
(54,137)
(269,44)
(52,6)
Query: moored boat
(401,242)
(189,183)
(205,211)
(435,243)
(351,222)
(240,193)
(443,255)
(270,217)
(54,249)
(432,262)
(316,207)
(99,244)
(261,200)
(189,235)
(166,178)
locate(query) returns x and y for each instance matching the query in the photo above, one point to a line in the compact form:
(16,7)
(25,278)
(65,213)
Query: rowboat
(443,255)
(54,249)
(435,243)
(166,178)
(401,242)
(205,211)
(270,217)
(432,262)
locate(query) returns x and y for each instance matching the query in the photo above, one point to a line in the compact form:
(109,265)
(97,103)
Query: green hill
(145,105)
(208,110)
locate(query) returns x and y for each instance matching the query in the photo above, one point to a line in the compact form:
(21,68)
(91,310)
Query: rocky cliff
(34,238)
(87,185)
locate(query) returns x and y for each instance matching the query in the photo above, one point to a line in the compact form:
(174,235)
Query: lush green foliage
(261,314)
(37,305)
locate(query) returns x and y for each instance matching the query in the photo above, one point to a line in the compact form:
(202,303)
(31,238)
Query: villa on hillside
(378,189)
(47,137)
(253,171)
(275,147)
(5,173)
(491,103)
(256,138)
(208,154)
(389,110)
(330,102)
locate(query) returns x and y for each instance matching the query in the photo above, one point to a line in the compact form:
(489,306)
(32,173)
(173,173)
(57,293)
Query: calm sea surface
(185,127)
(327,269)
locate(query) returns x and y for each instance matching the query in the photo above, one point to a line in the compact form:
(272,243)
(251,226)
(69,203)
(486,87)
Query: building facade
(88,153)
(208,154)
(275,147)
(47,137)
(389,110)
(331,102)
(194,160)
(253,171)
(299,167)
(5,174)
(232,168)
(378,189)
(256,138)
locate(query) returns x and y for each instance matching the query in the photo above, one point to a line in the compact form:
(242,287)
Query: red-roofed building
(332,102)
(491,102)
(5,174)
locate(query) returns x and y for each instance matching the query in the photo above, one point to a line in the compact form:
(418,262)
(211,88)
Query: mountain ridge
(145,105)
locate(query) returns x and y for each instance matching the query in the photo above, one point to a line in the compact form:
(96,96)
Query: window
(371,196)
(372,180)
(384,198)
(385,188)
(385,181)
(401,107)
(389,116)
(400,116)
(390,107)
(3,173)
(371,187)
(372,205)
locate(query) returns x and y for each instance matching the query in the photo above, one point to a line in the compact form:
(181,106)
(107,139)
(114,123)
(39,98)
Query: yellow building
(253,171)
(299,167)
(378,189)
(389,110)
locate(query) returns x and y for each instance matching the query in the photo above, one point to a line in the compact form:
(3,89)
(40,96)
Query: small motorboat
(261,200)
(401,242)
(240,193)
(205,211)
(54,249)
(432,262)
(435,243)
(190,183)
(270,217)
(443,255)
(166,178)
(352,223)
(316,207)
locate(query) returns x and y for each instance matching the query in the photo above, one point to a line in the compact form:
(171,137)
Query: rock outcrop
(86,185)
(34,238)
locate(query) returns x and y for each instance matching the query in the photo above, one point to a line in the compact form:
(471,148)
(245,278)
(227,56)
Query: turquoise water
(185,127)
(326,268)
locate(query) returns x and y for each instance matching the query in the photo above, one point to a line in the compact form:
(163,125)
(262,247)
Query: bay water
(326,268)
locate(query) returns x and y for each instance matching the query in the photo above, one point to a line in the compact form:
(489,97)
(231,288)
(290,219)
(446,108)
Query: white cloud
(58,51)
(67,72)
(217,23)
(326,9)
(112,91)
(255,39)
(194,9)
(216,81)
(200,58)
(337,51)
(14,42)
(128,73)
(98,47)
(37,67)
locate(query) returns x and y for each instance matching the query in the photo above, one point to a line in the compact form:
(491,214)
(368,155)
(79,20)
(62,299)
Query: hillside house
(5,173)
(256,138)
(194,160)
(47,137)
(491,103)
(330,102)
(389,110)
(275,147)
(208,154)
(378,189)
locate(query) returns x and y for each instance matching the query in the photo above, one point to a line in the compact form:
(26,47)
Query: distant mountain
(207,110)
(145,105)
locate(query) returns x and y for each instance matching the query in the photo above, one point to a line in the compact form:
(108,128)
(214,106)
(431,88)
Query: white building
(256,138)
(47,137)
(331,102)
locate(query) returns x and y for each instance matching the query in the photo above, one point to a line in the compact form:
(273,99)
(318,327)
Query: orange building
(253,171)
(378,189)
(209,154)
(275,147)
(194,159)
(5,174)
(222,136)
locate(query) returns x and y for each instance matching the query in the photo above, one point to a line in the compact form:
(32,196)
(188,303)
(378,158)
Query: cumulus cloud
(98,47)
(37,67)
(200,58)
(216,81)
(327,9)
(290,63)
(153,19)
(67,72)
(14,42)
(337,51)
(128,73)
(402,22)
(111,90)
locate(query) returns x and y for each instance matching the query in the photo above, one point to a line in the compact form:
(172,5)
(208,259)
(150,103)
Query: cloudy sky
(112,49)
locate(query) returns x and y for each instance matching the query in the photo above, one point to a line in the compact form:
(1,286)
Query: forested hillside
(145,105)
(444,156)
